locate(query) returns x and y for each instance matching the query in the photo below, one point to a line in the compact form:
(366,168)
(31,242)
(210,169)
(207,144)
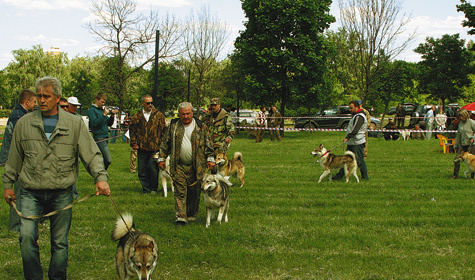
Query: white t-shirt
(186,152)
(147,115)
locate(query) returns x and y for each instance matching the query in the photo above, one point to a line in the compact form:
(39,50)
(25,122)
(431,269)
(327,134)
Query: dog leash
(333,148)
(34,217)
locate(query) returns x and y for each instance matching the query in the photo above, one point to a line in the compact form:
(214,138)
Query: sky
(60,23)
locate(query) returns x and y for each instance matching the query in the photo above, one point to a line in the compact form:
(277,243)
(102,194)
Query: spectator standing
(133,153)
(261,124)
(73,104)
(114,130)
(430,120)
(26,103)
(275,119)
(440,119)
(98,123)
(368,119)
(147,128)
(39,139)
(220,126)
(188,144)
(400,116)
(63,104)
(464,138)
(355,139)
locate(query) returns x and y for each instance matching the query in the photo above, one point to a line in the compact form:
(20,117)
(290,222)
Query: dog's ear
(150,246)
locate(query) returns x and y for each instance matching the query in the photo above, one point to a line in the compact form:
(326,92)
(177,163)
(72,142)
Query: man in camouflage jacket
(220,125)
(147,128)
(187,143)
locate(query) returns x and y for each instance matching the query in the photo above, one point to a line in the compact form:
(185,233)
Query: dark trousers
(147,171)
(400,122)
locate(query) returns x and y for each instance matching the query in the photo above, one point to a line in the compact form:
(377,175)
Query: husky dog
(330,162)
(469,160)
(137,252)
(216,195)
(164,175)
(228,167)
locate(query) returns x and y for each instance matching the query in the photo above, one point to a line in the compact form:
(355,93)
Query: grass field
(410,221)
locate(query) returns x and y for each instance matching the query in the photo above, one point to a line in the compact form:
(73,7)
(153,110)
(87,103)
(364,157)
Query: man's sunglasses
(63,106)
(148,103)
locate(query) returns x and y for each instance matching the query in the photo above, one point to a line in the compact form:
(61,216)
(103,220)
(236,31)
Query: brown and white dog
(216,196)
(228,167)
(469,160)
(137,252)
(331,162)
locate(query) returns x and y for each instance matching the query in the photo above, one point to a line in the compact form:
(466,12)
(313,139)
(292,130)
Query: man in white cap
(73,105)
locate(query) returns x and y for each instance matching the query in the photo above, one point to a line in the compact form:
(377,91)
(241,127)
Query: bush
(5,113)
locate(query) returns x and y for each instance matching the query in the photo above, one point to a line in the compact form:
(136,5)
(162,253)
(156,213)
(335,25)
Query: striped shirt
(49,123)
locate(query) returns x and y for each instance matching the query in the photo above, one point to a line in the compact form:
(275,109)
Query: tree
(376,26)
(204,38)
(397,82)
(445,66)
(29,65)
(469,12)
(128,37)
(282,51)
(84,79)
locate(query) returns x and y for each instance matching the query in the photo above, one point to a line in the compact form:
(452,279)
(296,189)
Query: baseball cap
(361,102)
(215,101)
(73,101)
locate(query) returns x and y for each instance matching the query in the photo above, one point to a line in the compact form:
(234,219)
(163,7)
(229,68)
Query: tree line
(286,56)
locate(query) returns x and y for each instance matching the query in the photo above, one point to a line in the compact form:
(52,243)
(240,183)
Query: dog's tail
(238,156)
(120,229)
(351,154)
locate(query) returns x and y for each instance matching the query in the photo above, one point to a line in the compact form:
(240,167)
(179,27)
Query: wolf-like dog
(164,176)
(228,167)
(469,160)
(137,252)
(216,195)
(331,162)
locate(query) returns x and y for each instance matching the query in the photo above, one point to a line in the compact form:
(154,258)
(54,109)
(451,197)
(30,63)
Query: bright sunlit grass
(410,221)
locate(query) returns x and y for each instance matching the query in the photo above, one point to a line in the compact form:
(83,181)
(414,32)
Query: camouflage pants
(276,132)
(260,133)
(187,193)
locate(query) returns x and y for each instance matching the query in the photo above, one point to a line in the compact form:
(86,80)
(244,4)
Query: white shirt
(186,152)
(146,115)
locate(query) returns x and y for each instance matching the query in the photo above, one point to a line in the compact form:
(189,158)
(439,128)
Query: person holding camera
(99,123)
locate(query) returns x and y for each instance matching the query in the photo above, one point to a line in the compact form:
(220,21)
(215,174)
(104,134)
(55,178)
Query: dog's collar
(325,153)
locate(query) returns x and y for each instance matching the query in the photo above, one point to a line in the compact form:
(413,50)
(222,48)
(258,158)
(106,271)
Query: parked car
(338,117)
(392,111)
(198,112)
(246,118)
(409,108)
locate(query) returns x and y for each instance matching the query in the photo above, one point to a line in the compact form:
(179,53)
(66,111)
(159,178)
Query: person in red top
(261,122)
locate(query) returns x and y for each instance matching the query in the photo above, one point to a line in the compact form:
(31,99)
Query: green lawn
(410,221)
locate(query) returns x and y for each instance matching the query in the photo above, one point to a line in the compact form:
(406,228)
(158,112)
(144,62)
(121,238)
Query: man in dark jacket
(99,124)
(26,103)
(400,116)
(147,128)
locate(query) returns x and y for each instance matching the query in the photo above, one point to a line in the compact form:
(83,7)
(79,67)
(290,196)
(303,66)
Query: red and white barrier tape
(340,129)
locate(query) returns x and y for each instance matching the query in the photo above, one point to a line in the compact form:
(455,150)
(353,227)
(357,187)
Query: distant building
(54,50)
